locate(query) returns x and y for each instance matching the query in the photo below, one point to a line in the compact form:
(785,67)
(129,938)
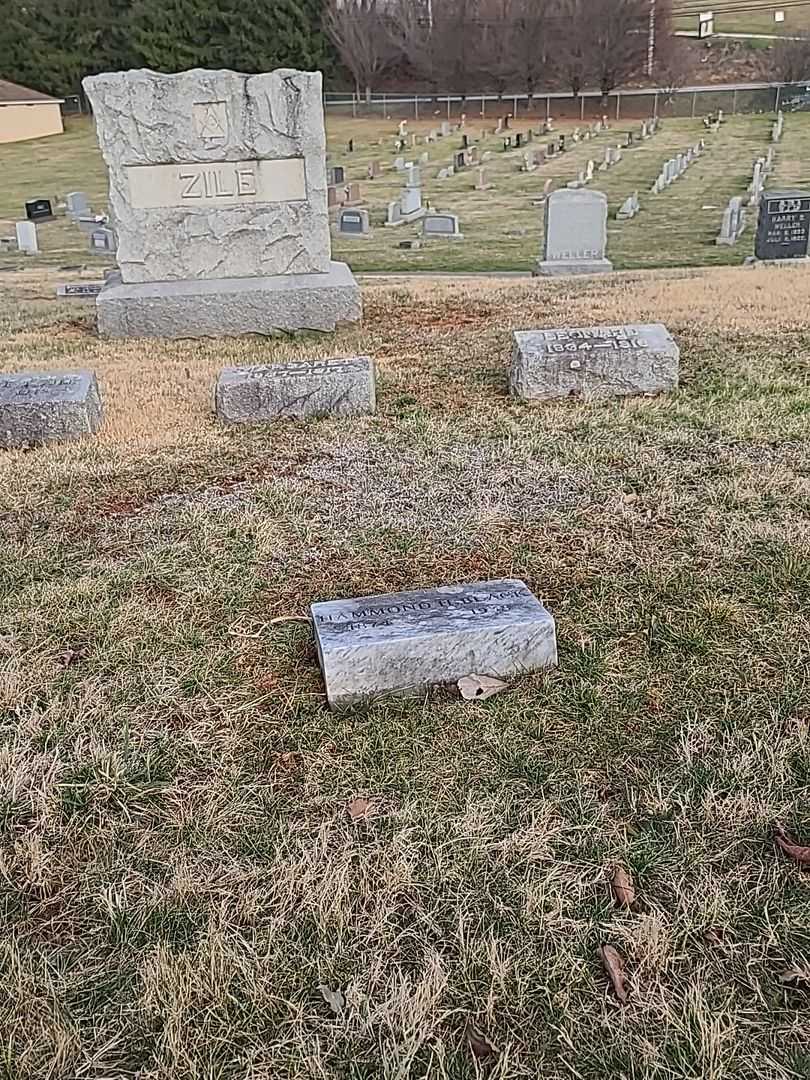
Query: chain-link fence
(619,105)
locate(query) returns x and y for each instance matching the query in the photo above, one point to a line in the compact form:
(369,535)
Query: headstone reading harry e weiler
(783,227)
(593,362)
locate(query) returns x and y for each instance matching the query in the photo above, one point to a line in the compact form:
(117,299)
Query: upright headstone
(444,226)
(406,642)
(629,208)
(218,194)
(575,234)
(77,204)
(39,210)
(353,222)
(593,362)
(783,228)
(733,223)
(54,406)
(27,237)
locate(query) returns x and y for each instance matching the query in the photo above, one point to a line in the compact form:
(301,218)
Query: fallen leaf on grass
(479,687)
(790,847)
(72,656)
(714,935)
(333,998)
(622,886)
(614,965)
(359,808)
(290,618)
(480,1046)
(795,975)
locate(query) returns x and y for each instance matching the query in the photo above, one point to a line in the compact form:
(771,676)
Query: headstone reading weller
(54,406)
(218,194)
(405,642)
(593,362)
(575,234)
(299,389)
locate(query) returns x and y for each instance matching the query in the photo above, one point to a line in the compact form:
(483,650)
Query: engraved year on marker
(222,182)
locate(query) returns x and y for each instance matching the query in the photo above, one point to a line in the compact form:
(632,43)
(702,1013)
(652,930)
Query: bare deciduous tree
(789,61)
(360,32)
(532,34)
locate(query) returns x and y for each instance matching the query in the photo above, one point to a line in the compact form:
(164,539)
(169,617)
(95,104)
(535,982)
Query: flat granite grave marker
(80,288)
(218,194)
(575,234)
(593,362)
(353,222)
(783,228)
(48,407)
(406,642)
(343,386)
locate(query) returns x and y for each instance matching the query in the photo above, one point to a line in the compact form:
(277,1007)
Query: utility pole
(651,40)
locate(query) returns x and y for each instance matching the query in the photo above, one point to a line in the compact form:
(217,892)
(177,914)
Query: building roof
(13,94)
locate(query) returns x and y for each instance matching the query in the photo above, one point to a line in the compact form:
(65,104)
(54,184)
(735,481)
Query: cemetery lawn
(502,229)
(180,870)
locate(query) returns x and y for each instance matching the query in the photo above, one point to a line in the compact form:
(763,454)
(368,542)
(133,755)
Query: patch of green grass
(502,229)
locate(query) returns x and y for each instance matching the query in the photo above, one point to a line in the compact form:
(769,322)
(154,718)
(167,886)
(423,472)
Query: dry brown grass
(178,871)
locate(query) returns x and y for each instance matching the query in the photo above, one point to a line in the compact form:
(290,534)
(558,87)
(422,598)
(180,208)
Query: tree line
(52,44)
(468,45)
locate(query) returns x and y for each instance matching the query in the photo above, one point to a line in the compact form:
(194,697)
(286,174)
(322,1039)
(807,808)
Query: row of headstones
(676,167)
(546,364)
(26,240)
(734,218)
(783,224)
(435,224)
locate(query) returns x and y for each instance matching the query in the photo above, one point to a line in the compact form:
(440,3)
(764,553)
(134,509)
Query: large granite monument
(218,199)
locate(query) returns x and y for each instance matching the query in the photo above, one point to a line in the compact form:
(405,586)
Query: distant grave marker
(783,228)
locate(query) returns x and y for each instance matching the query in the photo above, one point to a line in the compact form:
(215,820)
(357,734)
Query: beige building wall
(19,122)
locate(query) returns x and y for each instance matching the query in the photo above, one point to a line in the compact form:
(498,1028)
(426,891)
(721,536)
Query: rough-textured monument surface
(218,182)
(405,642)
(783,227)
(53,407)
(593,362)
(575,234)
(300,388)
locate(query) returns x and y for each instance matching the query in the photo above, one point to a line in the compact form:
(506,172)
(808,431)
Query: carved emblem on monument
(210,122)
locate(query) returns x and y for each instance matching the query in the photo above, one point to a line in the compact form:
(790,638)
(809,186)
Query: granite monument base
(228,307)
(560,267)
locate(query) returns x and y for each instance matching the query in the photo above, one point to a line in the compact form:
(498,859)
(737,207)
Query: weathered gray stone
(227,308)
(37,407)
(405,642)
(575,234)
(593,361)
(299,388)
(214,174)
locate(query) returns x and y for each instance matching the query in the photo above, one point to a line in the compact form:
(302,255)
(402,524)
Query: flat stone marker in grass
(81,288)
(48,407)
(593,362)
(405,642)
(299,389)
